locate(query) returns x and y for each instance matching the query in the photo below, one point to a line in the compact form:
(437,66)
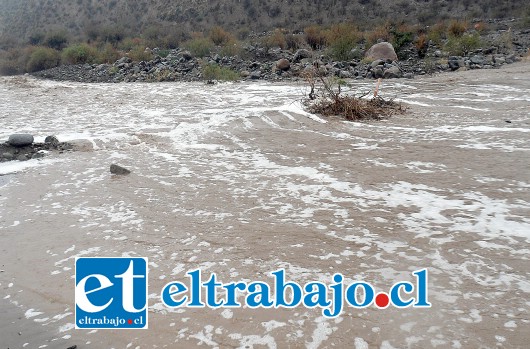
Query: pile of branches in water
(328,100)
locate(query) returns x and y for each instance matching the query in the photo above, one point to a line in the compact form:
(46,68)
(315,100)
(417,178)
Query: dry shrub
(219,36)
(381,32)
(315,37)
(341,39)
(328,100)
(294,41)
(457,28)
(437,32)
(199,46)
(79,54)
(139,54)
(276,39)
(421,43)
(43,58)
(108,54)
(231,48)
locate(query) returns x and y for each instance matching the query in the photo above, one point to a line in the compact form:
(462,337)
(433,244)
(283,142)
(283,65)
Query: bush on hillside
(79,54)
(108,54)
(56,40)
(461,46)
(214,72)
(199,46)
(381,32)
(139,54)
(315,37)
(36,39)
(43,58)
(437,32)
(219,36)
(341,39)
(276,39)
(231,48)
(457,28)
(401,36)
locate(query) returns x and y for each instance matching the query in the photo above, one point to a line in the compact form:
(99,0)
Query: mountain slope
(21,18)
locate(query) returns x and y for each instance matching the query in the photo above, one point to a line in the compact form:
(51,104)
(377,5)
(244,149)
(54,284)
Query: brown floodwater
(239,180)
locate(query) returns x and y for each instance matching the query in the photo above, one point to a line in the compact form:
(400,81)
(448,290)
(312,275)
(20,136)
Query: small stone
(377,72)
(186,55)
(52,141)
(80,145)
(344,74)
(7,156)
(301,54)
(118,170)
(377,62)
(508,121)
(392,72)
(478,60)
(20,140)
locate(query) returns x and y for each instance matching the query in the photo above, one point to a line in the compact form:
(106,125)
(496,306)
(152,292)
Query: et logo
(111,293)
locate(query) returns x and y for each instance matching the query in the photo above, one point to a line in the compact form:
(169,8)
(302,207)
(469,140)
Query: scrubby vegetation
(340,42)
(79,54)
(42,58)
(212,72)
(462,45)
(199,46)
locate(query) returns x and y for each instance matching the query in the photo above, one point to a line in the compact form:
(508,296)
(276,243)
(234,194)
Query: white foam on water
(360,343)
(30,313)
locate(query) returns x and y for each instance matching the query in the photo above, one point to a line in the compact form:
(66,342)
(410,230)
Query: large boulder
(382,50)
(20,140)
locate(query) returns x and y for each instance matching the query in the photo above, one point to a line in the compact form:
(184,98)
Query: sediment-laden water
(237,179)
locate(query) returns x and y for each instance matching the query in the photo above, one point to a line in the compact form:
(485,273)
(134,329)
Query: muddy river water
(239,180)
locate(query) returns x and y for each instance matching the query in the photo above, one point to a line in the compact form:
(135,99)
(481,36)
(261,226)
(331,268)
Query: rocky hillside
(19,19)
